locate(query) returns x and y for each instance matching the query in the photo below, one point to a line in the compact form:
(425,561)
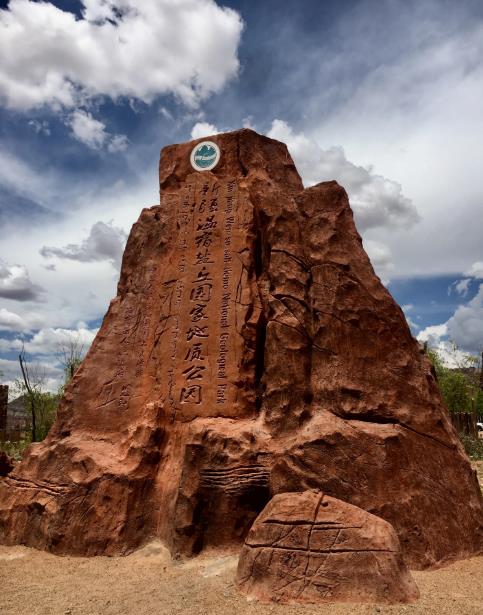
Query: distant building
(15,417)
(19,418)
(3,406)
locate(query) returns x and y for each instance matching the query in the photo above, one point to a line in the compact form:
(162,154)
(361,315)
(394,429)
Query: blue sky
(384,96)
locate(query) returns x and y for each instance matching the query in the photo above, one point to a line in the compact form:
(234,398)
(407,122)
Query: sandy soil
(147,582)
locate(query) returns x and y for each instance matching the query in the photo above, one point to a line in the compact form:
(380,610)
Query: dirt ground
(149,583)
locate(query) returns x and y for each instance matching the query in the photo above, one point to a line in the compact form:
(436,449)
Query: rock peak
(242,152)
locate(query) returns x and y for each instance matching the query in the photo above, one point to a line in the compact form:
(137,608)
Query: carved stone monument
(250,351)
(309,547)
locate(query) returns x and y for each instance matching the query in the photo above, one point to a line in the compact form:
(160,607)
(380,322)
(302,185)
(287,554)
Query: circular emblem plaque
(205,156)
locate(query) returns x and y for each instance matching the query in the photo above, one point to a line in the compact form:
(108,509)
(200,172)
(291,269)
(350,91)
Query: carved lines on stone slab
(236,479)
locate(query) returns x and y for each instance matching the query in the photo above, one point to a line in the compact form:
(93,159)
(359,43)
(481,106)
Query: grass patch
(14,449)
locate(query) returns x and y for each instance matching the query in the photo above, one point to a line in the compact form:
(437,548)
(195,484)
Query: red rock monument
(309,547)
(250,351)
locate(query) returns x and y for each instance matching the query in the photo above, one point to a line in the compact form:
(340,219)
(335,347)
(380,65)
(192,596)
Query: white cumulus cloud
(465,327)
(41,127)
(451,356)
(203,129)
(24,321)
(10,321)
(118,48)
(93,133)
(117,143)
(15,283)
(476,270)
(376,200)
(433,334)
(381,258)
(87,129)
(461,287)
(51,340)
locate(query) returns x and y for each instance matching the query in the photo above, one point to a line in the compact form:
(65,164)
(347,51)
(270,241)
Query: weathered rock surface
(250,350)
(307,547)
(6,464)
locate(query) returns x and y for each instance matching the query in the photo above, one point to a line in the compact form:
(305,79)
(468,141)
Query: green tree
(461,391)
(479,403)
(459,386)
(41,404)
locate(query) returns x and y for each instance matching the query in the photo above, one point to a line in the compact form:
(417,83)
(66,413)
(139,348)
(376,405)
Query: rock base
(309,547)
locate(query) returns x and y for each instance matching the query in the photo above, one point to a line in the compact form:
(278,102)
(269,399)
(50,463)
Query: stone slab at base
(307,547)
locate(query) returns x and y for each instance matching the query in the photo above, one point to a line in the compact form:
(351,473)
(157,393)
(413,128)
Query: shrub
(473,446)
(14,449)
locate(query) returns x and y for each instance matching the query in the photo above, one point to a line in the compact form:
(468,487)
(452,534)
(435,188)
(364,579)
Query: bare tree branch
(30,392)
(71,353)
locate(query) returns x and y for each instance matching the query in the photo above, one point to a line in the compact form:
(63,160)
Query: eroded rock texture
(250,350)
(307,547)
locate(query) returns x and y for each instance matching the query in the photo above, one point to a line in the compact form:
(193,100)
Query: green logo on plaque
(205,156)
